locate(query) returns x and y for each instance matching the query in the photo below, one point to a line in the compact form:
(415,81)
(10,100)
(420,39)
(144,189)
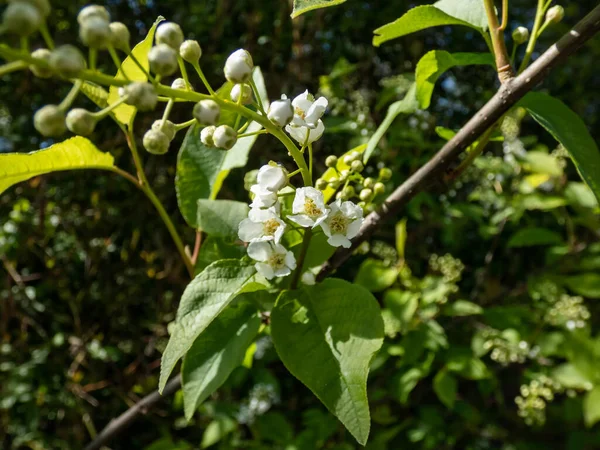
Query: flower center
(277,261)
(270,227)
(338,224)
(311,209)
(300,112)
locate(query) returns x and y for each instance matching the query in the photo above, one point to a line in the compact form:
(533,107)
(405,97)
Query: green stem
(47,36)
(139,64)
(204,80)
(301,257)
(104,112)
(503,66)
(310,160)
(539,17)
(239,116)
(181,126)
(113,54)
(13,67)
(254,133)
(92,57)
(257,96)
(244,127)
(71,96)
(295,172)
(183,71)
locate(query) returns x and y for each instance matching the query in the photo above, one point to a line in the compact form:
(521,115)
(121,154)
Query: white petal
(249,231)
(265,270)
(290,260)
(260,251)
(283,272)
(325,228)
(278,248)
(301,101)
(338,240)
(316,196)
(316,134)
(271,178)
(315,112)
(262,197)
(302,220)
(351,210)
(298,121)
(299,200)
(308,278)
(354,228)
(279,232)
(300,133)
(321,218)
(262,215)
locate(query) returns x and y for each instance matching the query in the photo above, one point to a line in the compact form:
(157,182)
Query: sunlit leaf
(302,6)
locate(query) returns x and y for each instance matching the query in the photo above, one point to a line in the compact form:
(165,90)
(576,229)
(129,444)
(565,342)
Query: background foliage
(489,285)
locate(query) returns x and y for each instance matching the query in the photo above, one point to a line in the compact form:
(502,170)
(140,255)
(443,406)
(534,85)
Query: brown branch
(506,97)
(124,420)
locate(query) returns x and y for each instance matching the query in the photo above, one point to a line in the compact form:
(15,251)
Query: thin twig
(507,96)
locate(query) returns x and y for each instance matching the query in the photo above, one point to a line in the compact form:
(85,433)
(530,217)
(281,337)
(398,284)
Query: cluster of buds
(266,223)
(505,346)
(534,398)
(450,267)
(569,312)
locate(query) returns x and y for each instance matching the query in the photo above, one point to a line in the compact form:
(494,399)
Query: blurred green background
(89,278)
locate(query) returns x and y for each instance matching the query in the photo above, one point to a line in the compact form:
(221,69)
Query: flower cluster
(534,398)
(266,223)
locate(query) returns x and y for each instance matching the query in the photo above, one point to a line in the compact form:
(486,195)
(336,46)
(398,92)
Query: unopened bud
(348,192)
(166,126)
(281,112)
(163,60)
(179,83)
(95,32)
(244,90)
(21,18)
(43,6)
(206,135)
(321,184)
(379,188)
(555,14)
(49,121)
(238,67)
(169,33)
(67,61)
(385,173)
(81,122)
(331,161)
(224,137)
(42,54)
(190,51)
(368,183)
(156,142)
(207,112)
(365,194)
(141,95)
(334,183)
(119,36)
(92,11)
(357,166)
(520,35)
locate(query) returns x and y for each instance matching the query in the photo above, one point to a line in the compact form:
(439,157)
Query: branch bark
(507,96)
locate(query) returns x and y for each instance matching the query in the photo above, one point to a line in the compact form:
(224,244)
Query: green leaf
(530,237)
(72,154)
(407,105)
(584,284)
(449,12)
(216,352)
(467,366)
(302,6)
(445,387)
(123,113)
(579,194)
(541,162)
(333,173)
(591,406)
(461,308)
(431,67)
(95,93)
(406,381)
(401,236)
(217,430)
(403,304)
(571,378)
(202,301)
(221,217)
(568,129)
(326,336)
(375,276)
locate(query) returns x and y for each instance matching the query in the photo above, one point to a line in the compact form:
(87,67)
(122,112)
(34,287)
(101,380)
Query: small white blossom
(307,110)
(273,259)
(263,198)
(272,178)
(281,112)
(262,225)
(238,67)
(309,207)
(343,223)
(305,135)
(308,278)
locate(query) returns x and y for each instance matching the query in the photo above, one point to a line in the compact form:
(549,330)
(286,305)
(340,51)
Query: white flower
(281,112)
(309,207)
(238,67)
(342,223)
(305,135)
(273,259)
(272,178)
(261,225)
(307,110)
(308,278)
(263,198)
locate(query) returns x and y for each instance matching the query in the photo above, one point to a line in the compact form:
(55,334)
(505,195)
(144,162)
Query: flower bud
(348,192)
(163,60)
(334,183)
(339,196)
(169,33)
(520,35)
(321,184)
(238,67)
(21,18)
(385,174)
(92,11)
(119,36)
(281,112)
(179,83)
(49,121)
(224,137)
(156,142)
(206,135)
(67,61)
(379,188)
(141,95)
(207,112)
(357,166)
(368,183)
(244,90)
(365,194)
(42,54)
(168,128)
(81,122)
(95,32)
(555,14)
(344,174)
(331,161)
(43,6)
(190,51)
